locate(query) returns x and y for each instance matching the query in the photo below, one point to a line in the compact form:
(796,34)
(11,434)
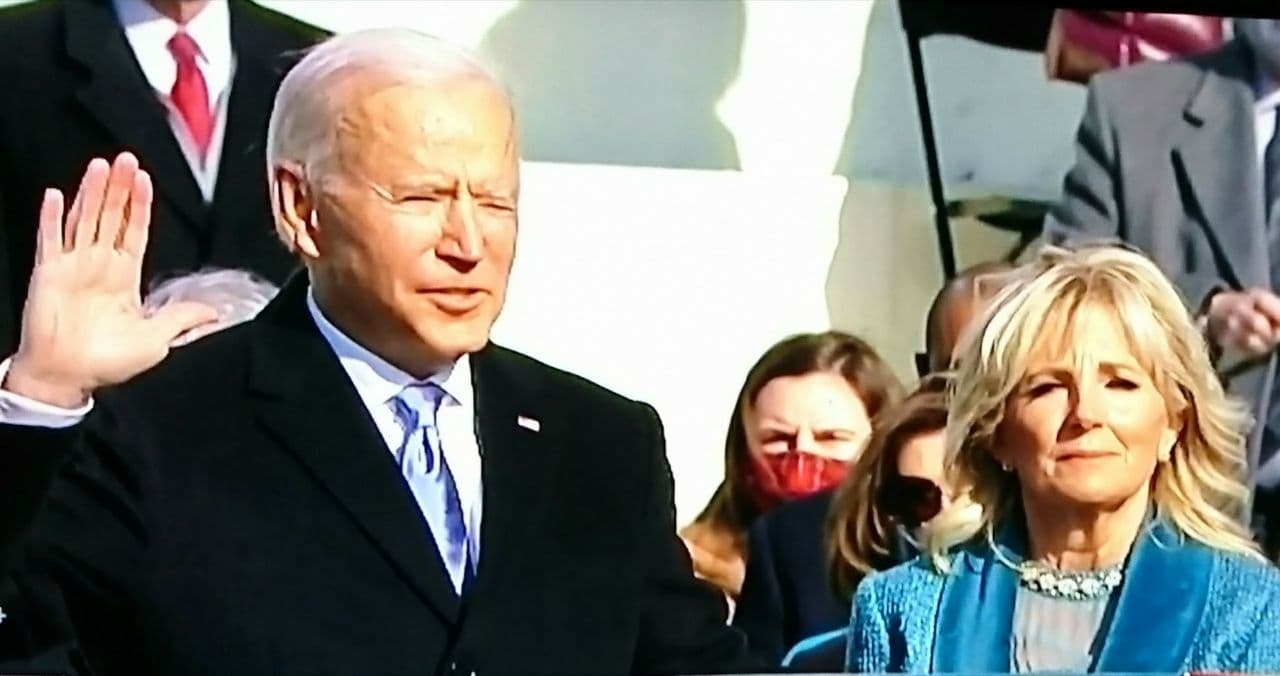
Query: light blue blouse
(1055,634)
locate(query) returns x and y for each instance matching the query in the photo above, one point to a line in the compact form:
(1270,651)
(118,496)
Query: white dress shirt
(15,410)
(1266,100)
(148,32)
(377,383)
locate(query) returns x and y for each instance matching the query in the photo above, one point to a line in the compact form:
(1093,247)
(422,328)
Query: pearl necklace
(1084,585)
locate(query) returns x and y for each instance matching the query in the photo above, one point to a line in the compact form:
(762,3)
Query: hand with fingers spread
(83,326)
(1248,321)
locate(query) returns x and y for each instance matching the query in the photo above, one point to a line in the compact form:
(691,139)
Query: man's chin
(452,345)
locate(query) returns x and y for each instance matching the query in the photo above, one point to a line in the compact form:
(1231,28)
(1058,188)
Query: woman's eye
(1041,389)
(1122,384)
(776,444)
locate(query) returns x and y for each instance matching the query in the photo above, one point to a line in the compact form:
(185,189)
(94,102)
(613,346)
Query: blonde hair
(1200,490)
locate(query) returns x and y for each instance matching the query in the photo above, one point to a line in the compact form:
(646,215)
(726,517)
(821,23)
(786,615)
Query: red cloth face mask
(782,477)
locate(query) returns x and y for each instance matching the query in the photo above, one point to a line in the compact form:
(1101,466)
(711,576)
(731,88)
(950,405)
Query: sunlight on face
(418,224)
(818,413)
(1086,425)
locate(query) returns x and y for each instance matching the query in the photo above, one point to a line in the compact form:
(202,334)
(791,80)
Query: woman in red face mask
(803,414)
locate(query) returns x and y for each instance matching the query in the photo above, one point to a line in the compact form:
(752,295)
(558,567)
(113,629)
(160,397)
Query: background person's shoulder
(911,588)
(1167,87)
(25,25)
(284,26)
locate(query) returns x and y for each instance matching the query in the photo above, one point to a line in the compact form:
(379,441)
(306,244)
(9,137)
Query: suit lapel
(518,461)
(310,406)
(1152,630)
(975,615)
(116,95)
(1161,604)
(1220,122)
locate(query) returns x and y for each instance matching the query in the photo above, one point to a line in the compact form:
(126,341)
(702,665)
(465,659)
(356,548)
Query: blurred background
(704,176)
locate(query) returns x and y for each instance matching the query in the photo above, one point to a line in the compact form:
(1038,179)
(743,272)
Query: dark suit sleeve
(760,607)
(1092,205)
(9,313)
(683,621)
(71,541)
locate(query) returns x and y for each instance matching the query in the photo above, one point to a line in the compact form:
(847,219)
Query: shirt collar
(1266,90)
(376,380)
(210,29)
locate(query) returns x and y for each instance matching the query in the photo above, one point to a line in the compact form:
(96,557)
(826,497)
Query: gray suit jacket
(1166,162)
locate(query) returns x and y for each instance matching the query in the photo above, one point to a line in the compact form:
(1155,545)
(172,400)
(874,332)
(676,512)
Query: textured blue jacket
(1182,607)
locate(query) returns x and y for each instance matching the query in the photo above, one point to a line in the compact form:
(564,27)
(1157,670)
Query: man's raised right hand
(83,326)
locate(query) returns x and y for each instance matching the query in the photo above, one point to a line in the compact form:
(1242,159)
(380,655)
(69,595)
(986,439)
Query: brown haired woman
(894,488)
(803,413)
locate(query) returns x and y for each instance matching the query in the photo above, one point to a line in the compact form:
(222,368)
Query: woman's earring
(1006,467)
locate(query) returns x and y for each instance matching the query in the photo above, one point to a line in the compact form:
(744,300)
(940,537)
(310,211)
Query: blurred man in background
(1182,160)
(959,301)
(186,85)
(237,295)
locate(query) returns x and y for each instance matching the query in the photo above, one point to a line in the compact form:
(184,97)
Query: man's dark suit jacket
(786,594)
(235,511)
(73,91)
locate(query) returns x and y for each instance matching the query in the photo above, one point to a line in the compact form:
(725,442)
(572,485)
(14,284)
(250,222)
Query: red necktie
(190,95)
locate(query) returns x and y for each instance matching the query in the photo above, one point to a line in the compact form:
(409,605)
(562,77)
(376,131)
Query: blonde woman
(1098,468)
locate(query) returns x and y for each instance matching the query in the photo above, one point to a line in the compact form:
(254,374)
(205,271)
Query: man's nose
(462,240)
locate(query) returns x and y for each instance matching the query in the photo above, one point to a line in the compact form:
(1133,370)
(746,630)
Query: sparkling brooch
(1084,585)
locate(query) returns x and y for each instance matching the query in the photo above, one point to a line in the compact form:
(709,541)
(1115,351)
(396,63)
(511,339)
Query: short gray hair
(237,295)
(301,128)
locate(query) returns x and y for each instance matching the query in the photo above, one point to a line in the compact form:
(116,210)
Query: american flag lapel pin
(528,423)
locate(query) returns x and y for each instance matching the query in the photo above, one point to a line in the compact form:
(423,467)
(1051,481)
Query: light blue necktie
(427,473)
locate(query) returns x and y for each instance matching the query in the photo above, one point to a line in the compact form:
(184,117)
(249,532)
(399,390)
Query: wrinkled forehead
(461,128)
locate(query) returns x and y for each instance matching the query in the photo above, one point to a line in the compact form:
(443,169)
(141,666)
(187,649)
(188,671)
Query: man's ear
(294,207)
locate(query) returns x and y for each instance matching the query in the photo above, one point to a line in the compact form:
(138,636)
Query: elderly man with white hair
(357,481)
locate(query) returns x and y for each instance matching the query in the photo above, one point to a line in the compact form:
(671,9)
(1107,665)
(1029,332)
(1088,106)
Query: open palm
(83,326)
